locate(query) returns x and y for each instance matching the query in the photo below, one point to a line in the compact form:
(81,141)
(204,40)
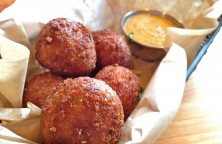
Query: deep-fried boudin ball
(82,110)
(124,82)
(111,48)
(65,47)
(40,87)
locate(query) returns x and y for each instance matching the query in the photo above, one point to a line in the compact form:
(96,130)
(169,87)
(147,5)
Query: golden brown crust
(64,47)
(111,48)
(40,87)
(5,3)
(82,110)
(124,82)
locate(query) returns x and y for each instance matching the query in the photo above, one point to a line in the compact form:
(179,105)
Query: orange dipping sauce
(148,29)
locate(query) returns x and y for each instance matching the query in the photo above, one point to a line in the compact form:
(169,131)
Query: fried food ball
(40,87)
(111,48)
(65,47)
(83,110)
(124,82)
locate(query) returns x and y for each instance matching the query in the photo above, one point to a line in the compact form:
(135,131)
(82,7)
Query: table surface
(199,118)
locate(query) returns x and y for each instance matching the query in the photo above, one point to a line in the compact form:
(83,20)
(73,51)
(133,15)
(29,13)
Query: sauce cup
(146,31)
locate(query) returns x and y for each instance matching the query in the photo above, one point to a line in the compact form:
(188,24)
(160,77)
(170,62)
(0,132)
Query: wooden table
(199,119)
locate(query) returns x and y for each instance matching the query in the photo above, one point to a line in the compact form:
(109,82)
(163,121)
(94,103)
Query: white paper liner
(8,137)
(13,70)
(160,100)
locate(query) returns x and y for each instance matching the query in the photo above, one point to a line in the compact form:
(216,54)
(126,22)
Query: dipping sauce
(148,29)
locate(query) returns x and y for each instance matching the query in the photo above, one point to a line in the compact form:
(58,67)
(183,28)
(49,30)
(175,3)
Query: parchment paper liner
(161,97)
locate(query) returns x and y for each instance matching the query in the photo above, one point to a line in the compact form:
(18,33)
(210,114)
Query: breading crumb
(53,129)
(80,131)
(49,39)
